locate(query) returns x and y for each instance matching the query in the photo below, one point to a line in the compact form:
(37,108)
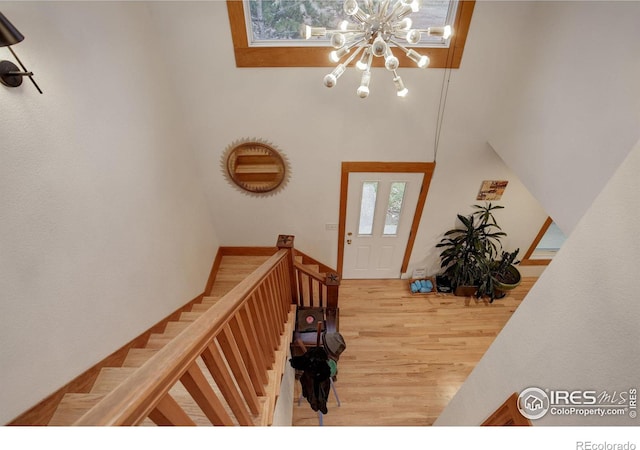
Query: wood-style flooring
(407,355)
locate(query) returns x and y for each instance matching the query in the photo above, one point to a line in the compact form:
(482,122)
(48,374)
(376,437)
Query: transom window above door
(266,33)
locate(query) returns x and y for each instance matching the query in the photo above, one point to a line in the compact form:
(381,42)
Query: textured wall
(104,228)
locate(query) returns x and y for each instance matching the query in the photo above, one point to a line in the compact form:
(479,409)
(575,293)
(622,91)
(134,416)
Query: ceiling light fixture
(373,30)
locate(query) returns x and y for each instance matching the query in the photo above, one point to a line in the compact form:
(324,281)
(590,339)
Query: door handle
(348,241)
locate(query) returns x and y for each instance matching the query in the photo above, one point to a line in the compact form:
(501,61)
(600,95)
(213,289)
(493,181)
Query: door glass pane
(367,207)
(394,208)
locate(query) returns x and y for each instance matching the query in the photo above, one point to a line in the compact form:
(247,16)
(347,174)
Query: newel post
(332,281)
(285,241)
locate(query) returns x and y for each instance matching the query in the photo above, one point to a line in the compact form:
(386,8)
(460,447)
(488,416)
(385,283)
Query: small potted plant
(501,276)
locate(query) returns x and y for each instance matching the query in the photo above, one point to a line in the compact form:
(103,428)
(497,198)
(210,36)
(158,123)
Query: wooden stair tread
(72,407)
(175,328)
(201,307)
(190,316)
(138,356)
(111,377)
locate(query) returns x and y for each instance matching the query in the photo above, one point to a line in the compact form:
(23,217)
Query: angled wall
(570,116)
(570,112)
(577,329)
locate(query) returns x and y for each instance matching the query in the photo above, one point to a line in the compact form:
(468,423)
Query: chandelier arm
(401,47)
(353,56)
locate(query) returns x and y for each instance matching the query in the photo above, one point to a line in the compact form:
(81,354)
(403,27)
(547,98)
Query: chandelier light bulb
(405,24)
(350,7)
(331,79)
(391,63)
(443,32)
(337,55)
(338,40)
(379,47)
(401,90)
(414,4)
(308,32)
(413,37)
(365,60)
(421,61)
(363,90)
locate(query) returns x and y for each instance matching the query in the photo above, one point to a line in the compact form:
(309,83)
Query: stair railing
(241,342)
(316,289)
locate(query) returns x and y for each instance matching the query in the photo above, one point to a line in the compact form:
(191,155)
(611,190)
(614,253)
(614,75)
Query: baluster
(254,344)
(301,301)
(263,336)
(167,412)
(200,389)
(234,359)
(214,361)
(263,311)
(242,341)
(310,287)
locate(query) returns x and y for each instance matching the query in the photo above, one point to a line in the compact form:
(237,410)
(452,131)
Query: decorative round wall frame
(255,167)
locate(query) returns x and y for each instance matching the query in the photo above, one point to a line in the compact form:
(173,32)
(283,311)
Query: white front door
(380,211)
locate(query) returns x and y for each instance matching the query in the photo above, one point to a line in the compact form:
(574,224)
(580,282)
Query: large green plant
(469,249)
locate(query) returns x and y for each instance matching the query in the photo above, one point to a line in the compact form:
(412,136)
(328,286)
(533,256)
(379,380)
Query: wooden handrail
(265,294)
(309,272)
(306,259)
(313,285)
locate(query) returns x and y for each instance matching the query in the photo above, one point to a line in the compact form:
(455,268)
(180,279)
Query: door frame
(426,168)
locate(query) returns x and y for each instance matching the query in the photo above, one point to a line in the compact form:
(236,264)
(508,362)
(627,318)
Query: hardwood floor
(406,355)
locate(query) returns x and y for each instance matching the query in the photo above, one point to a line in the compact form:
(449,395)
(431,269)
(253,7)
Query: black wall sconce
(10,74)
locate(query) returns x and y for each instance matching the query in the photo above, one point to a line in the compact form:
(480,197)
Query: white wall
(571,111)
(578,327)
(318,128)
(570,114)
(104,227)
(464,157)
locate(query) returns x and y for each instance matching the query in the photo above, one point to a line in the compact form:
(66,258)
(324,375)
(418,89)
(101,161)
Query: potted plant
(470,255)
(501,276)
(468,248)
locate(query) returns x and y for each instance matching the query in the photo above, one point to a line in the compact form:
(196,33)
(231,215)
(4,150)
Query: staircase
(232,271)
(234,376)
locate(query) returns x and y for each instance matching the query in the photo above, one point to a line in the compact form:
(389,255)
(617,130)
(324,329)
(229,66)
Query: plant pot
(465,291)
(500,288)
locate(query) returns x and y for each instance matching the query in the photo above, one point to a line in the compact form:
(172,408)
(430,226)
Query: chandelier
(372,31)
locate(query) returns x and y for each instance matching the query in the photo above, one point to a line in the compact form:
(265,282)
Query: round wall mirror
(255,167)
